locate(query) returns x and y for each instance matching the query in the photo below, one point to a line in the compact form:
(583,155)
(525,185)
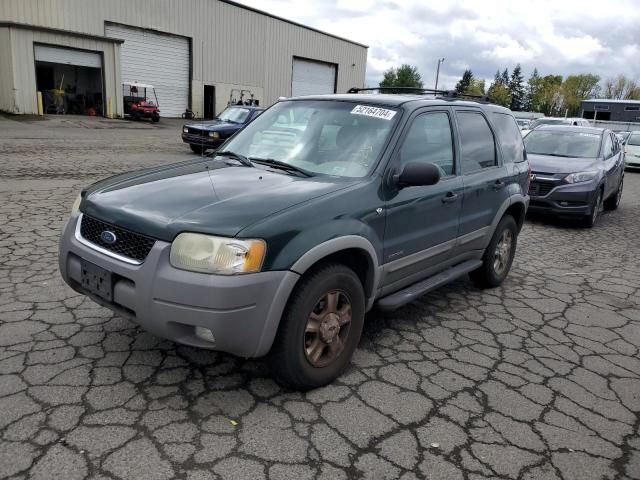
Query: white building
(197,53)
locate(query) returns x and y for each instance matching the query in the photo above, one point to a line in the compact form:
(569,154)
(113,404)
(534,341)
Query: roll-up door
(161,60)
(310,77)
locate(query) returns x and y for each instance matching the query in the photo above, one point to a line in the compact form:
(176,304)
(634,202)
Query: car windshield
(234,115)
(522,122)
(563,144)
(327,137)
(634,140)
(547,121)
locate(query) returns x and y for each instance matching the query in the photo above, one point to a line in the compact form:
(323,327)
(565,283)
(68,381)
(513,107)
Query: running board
(409,294)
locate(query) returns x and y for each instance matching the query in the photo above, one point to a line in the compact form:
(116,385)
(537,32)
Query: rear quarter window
(509,137)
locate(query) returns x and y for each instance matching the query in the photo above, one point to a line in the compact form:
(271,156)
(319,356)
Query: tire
(197,149)
(313,345)
(498,256)
(596,208)
(155,119)
(613,201)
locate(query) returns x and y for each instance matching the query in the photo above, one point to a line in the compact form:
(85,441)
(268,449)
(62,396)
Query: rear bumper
(243,312)
(566,200)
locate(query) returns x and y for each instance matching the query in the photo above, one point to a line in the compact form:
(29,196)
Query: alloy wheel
(327,328)
(502,253)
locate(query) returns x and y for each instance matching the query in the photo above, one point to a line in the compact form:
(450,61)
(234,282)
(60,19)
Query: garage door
(312,78)
(158,59)
(67,56)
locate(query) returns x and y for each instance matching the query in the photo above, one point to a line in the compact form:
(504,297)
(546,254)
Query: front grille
(196,131)
(540,189)
(128,244)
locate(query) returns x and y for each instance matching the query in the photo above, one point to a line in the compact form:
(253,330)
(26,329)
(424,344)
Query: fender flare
(512,200)
(338,244)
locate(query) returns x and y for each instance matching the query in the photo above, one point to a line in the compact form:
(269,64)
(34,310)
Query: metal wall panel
(23,64)
(230,45)
(7,100)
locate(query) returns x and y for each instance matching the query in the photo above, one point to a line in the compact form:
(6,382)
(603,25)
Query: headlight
(224,256)
(185,130)
(75,208)
(214,134)
(580,177)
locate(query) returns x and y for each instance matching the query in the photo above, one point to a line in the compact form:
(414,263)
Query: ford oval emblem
(108,237)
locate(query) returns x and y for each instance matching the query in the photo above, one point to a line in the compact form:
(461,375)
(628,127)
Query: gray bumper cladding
(242,312)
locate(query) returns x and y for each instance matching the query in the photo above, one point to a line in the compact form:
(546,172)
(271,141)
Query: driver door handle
(450,197)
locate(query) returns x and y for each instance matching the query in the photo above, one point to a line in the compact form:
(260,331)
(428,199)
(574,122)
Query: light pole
(440,60)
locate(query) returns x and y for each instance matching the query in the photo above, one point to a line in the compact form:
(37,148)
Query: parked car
(211,134)
(632,149)
(320,208)
(576,171)
(523,123)
(575,121)
(623,136)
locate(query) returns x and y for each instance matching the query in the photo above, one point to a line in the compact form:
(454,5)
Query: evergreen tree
(504,79)
(516,89)
(532,103)
(465,82)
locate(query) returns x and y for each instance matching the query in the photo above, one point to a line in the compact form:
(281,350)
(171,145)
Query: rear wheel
(613,201)
(197,149)
(320,328)
(498,256)
(596,209)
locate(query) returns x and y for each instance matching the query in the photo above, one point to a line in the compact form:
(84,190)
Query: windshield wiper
(273,163)
(235,156)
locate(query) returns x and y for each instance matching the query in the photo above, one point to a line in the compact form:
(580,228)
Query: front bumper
(243,311)
(566,200)
(632,161)
(191,138)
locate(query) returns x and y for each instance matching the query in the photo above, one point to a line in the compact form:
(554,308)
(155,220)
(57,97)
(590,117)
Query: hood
(214,125)
(550,164)
(204,196)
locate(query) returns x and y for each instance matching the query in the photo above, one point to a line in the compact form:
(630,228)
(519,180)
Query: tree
(465,82)
(504,78)
(550,96)
(516,89)
(499,94)
(534,85)
(476,87)
(621,88)
(404,76)
(576,88)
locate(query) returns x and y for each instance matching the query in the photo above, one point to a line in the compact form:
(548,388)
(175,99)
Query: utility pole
(440,60)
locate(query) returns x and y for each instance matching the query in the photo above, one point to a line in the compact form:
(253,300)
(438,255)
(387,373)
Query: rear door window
(477,144)
(509,137)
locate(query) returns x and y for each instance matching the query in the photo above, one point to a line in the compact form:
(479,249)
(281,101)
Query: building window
(632,109)
(602,107)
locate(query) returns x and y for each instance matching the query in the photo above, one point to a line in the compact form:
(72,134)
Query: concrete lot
(539,379)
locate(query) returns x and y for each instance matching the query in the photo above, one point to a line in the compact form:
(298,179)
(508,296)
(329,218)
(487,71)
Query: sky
(560,37)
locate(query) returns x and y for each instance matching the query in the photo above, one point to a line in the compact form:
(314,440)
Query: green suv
(281,241)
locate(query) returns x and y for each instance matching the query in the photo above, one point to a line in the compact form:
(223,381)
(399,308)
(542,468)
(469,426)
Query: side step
(409,294)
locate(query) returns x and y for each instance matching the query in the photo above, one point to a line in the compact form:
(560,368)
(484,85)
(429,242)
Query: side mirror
(415,174)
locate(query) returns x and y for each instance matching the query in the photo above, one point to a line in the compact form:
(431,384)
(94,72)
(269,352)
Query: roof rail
(443,94)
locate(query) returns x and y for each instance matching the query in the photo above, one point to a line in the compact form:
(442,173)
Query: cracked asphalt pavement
(538,379)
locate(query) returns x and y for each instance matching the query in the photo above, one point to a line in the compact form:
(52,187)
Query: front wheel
(155,119)
(320,328)
(596,208)
(613,201)
(498,256)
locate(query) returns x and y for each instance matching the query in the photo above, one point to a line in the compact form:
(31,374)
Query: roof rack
(444,94)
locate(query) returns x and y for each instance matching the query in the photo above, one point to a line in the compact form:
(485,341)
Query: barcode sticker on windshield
(375,112)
